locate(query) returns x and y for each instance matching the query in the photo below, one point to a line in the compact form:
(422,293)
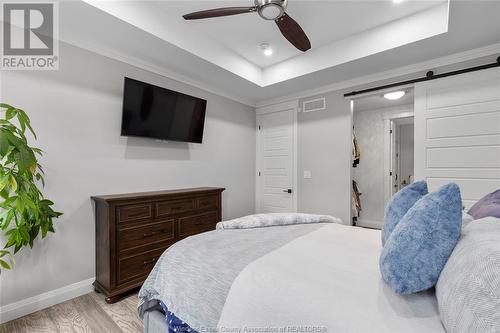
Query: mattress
(326,278)
(155,322)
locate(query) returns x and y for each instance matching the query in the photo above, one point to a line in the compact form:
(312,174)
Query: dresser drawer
(208,202)
(137,266)
(147,234)
(170,207)
(195,224)
(134,212)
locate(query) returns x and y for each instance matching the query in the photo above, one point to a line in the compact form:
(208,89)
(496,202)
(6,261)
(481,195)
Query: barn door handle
(288,190)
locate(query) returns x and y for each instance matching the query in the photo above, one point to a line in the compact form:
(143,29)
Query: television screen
(155,112)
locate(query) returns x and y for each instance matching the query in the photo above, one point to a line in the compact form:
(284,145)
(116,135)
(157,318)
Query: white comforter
(328,279)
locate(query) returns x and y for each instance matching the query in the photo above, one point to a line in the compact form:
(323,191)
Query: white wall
(76,112)
(324,148)
(369,174)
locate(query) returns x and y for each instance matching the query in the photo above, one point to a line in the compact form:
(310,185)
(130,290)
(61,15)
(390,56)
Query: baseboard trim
(39,302)
(369,223)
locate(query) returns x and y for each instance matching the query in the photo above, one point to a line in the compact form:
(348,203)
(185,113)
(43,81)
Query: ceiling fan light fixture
(270,11)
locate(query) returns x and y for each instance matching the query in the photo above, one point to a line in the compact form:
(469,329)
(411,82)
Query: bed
(292,278)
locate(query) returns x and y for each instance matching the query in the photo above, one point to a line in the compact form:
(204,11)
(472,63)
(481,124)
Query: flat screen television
(155,112)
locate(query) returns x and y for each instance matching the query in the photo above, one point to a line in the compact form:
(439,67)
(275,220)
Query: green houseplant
(24,212)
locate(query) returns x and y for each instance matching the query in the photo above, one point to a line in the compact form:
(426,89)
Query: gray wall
(76,112)
(324,148)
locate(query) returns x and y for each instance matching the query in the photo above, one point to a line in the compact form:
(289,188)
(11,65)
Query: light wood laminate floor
(88,313)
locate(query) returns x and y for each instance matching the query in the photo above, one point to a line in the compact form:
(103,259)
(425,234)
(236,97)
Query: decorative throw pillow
(468,289)
(422,242)
(399,205)
(488,205)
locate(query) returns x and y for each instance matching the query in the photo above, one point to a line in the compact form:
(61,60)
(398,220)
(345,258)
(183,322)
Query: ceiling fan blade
(293,32)
(203,14)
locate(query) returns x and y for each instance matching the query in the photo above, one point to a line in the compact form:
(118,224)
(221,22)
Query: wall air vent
(316,104)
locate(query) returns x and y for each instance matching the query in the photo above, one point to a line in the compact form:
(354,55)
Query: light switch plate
(307,174)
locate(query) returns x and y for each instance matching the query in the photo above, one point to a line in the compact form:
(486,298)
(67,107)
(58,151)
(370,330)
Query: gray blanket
(193,277)
(274,219)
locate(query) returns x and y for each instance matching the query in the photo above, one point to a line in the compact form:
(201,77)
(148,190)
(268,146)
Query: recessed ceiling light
(397,1)
(266,49)
(394,95)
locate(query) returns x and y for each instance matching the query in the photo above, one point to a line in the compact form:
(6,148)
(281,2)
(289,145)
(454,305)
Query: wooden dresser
(133,230)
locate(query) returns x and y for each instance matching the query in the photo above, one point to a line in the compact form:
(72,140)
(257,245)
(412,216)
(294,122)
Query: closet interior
(382,153)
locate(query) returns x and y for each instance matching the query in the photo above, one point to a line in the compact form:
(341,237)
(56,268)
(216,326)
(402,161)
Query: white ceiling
(336,33)
(325,22)
(472,24)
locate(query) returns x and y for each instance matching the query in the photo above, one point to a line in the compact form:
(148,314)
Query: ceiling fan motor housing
(271,9)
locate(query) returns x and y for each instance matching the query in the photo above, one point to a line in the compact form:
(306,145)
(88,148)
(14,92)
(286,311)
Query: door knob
(288,190)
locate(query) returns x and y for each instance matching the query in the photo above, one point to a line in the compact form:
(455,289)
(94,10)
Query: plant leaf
(24,212)
(13,183)
(4,143)
(4,181)
(10,113)
(5,106)
(4,264)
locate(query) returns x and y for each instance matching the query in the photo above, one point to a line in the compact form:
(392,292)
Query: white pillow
(468,288)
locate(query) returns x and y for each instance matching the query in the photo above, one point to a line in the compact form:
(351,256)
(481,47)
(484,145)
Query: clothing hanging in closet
(355,199)
(356,152)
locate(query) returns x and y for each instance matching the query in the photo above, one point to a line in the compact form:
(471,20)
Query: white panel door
(275,186)
(457,133)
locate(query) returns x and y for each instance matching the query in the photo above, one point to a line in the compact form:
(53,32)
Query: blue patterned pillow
(422,242)
(399,205)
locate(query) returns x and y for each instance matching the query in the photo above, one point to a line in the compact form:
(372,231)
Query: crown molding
(352,83)
(485,51)
(294,104)
(162,71)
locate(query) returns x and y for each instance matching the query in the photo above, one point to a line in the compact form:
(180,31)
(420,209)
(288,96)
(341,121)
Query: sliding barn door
(457,133)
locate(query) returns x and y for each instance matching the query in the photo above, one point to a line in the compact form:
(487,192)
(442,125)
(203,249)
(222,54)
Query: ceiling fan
(272,10)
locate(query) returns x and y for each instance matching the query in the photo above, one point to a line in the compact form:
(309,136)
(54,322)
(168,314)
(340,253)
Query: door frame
(291,105)
(388,119)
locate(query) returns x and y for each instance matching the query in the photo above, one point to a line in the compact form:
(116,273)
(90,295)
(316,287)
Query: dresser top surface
(141,195)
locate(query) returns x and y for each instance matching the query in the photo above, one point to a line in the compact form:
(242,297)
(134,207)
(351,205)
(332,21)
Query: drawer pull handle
(135,214)
(149,261)
(152,233)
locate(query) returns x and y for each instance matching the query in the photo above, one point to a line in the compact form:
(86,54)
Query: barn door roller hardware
(428,77)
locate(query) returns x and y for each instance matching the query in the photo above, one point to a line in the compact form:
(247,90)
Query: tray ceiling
(340,32)
(325,22)
(473,32)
